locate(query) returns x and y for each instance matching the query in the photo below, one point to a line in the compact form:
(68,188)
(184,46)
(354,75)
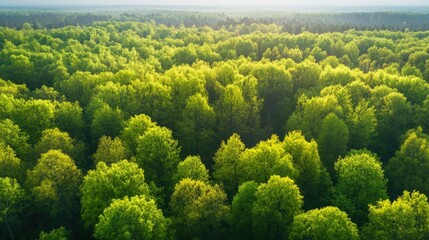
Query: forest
(131,128)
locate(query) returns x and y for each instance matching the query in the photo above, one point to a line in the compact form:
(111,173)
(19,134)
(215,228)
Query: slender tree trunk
(8,228)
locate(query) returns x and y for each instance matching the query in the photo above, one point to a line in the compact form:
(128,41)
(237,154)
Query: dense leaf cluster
(129,130)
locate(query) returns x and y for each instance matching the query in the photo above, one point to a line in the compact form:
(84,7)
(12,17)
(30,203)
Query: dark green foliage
(333,140)
(158,92)
(407,170)
(106,122)
(54,185)
(241,209)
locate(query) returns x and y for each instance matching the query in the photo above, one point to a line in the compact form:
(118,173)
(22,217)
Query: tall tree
(394,119)
(312,179)
(309,114)
(360,182)
(55,139)
(405,218)
(407,170)
(135,127)
(107,121)
(132,218)
(228,169)
(153,99)
(14,137)
(195,129)
(69,118)
(11,198)
(198,210)
(333,140)
(102,185)
(54,184)
(267,158)
(276,88)
(158,153)
(276,204)
(328,223)
(110,151)
(192,168)
(231,112)
(10,165)
(34,117)
(241,211)
(362,125)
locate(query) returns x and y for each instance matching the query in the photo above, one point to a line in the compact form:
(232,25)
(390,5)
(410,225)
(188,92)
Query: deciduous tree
(158,153)
(132,218)
(102,185)
(405,218)
(360,182)
(192,168)
(276,204)
(228,168)
(54,183)
(198,210)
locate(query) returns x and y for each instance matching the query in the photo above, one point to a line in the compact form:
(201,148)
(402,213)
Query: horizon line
(211,5)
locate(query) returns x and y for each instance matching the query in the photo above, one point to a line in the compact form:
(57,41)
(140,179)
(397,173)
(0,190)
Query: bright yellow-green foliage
(158,153)
(266,159)
(405,218)
(328,223)
(10,165)
(14,137)
(132,218)
(187,104)
(102,185)
(110,151)
(56,234)
(361,182)
(198,210)
(277,202)
(312,178)
(228,168)
(54,183)
(135,127)
(192,168)
(11,194)
(12,197)
(55,139)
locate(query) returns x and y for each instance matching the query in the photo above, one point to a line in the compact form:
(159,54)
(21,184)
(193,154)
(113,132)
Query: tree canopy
(213,124)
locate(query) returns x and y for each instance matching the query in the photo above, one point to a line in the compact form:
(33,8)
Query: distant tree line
(291,22)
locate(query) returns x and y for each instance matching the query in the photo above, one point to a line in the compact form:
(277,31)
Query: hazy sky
(216,2)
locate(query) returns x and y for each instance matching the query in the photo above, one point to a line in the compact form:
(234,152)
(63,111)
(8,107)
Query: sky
(216,2)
